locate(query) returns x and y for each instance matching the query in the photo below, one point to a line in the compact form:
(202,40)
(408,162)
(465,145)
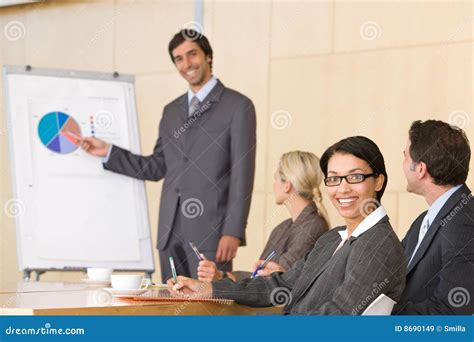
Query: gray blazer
(207,158)
(322,284)
(293,240)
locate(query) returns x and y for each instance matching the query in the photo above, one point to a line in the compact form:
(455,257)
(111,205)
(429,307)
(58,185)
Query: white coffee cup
(99,274)
(126,281)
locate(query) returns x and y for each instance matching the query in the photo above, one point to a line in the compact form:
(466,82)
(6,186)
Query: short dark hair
(192,36)
(443,148)
(362,148)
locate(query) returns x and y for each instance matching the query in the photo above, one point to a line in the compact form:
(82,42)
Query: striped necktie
(424,228)
(194,105)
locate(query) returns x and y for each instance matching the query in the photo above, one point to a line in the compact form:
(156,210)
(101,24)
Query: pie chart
(58,132)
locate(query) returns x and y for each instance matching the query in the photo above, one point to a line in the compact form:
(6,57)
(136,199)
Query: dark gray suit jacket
(293,240)
(440,278)
(209,157)
(322,284)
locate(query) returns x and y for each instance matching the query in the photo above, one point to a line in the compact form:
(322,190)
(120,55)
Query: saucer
(125,293)
(92,282)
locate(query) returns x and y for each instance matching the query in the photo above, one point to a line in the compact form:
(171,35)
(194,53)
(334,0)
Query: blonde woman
(296,186)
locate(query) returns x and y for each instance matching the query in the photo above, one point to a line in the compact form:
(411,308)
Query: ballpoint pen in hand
(196,251)
(269,257)
(173,270)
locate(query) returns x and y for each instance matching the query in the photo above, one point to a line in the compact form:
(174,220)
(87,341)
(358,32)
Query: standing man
(206,154)
(440,243)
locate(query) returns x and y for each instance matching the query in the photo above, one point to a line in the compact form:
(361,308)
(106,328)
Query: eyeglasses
(351,179)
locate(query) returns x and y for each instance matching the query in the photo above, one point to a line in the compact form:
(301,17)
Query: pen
(269,257)
(173,270)
(195,250)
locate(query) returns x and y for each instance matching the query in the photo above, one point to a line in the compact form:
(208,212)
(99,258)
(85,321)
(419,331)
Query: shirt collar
(439,203)
(204,91)
(367,223)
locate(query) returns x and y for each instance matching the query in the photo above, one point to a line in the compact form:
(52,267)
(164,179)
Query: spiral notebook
(164,296)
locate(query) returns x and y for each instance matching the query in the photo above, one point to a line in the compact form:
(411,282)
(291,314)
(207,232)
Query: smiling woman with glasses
(349,266)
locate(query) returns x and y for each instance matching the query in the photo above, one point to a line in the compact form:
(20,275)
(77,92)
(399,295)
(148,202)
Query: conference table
(61,298)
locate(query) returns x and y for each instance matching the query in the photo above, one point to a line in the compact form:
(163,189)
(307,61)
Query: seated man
(440,243)
(349,266)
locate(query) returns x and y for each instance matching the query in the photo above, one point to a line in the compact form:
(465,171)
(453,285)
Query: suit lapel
(326,258)
(192,122)
(213,97)
(434,227)
(314,270)
(183,107)
(412,235)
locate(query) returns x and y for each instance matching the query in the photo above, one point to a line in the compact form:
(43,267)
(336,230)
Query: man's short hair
(443,148)
(192,36)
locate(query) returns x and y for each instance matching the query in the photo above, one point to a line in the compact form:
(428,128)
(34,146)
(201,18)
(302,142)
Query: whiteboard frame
(100,76)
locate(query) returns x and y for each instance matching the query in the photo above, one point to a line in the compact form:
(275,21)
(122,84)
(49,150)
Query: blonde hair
(302,170)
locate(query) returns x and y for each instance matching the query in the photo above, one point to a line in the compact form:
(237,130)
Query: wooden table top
(49,298)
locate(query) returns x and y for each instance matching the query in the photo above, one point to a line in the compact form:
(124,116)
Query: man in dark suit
(440,243)
(206,154)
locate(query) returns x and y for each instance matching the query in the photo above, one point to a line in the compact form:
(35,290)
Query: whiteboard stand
(77,215)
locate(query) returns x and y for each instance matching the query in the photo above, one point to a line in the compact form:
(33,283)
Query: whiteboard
(73,213)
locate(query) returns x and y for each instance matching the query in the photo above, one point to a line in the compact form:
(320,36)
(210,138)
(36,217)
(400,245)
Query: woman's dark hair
(443,148)
(192,36)
(362,148)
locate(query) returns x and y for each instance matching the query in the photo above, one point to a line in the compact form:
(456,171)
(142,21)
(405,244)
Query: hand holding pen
(267,260)
(180,285)
(207,270)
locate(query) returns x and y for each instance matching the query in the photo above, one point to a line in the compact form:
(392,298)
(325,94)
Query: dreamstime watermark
(14,30)
(271,218)
(465,24)
(376,291)
(465,200)
(10,302)
(370,30)
(368,206)
(459,118)
(192,31)
(46,330)
(369,121)
(192,119)
(104,119)
(459,296)
(281,119)
(281,296)
(14,208)
(192,208)
(102,297)
(106,26)
(195,298)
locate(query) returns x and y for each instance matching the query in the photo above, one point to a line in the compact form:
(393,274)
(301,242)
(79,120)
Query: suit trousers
(185,260)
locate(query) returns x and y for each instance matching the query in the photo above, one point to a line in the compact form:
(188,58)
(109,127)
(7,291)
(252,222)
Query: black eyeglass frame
(364,177)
